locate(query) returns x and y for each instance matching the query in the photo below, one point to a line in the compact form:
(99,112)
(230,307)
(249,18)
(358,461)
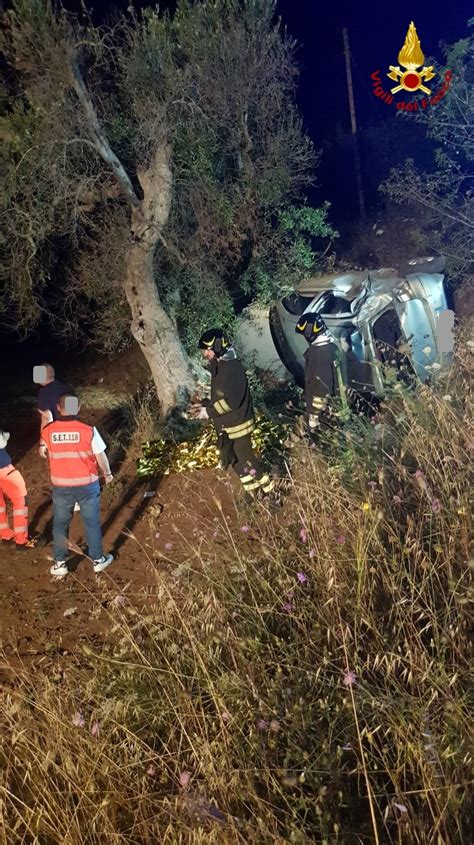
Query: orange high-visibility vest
(72,462)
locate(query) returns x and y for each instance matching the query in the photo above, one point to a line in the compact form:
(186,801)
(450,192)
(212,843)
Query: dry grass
(143,418)
(304,680)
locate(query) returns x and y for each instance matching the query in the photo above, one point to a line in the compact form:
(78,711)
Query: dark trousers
(246,465)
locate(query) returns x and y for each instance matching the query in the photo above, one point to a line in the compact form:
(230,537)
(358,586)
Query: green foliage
(290,254)
(195,303)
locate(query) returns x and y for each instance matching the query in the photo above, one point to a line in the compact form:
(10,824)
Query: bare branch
(99,139)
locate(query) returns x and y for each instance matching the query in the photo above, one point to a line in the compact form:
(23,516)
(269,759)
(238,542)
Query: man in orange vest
(12,485)
(76,453)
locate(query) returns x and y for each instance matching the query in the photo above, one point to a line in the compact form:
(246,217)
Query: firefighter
(12,485)
(322,377)
(230,409)
(76,453)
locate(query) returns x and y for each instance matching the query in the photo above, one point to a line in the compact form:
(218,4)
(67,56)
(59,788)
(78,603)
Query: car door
(415,323)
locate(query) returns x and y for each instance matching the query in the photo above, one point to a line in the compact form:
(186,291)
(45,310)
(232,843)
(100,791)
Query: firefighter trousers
(247,466)
(12,485)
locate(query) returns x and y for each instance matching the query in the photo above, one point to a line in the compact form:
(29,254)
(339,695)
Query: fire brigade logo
(411,58)
(411,79)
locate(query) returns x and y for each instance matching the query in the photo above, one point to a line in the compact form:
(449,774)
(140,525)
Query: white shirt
(4,438)
(97,444)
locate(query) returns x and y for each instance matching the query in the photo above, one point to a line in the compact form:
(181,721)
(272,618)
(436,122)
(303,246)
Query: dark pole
(360,190)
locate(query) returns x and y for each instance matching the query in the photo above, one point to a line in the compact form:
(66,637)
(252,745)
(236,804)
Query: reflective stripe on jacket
(72,462)
(231,405)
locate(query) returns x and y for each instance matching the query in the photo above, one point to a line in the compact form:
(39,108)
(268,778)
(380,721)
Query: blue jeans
(64,499)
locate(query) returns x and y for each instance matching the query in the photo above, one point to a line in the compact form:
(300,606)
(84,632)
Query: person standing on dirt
(51,391)
(230,409)
(48,397)
(12,485)
(76,453)
(321,383)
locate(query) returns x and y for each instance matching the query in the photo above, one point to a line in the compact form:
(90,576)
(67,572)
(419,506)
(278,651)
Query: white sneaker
(103,563)
(59,568)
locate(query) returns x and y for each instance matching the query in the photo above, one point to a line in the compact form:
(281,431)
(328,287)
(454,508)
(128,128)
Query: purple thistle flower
(78,719)
(262,725)
(168,546)
(349,678)
(419,473)
(119,600)
(245,529)
(435,505)
(341,539)
(304,535)
(400,807)
(287,606)
(253,472)
(301,577)
(290,594)
(184,779)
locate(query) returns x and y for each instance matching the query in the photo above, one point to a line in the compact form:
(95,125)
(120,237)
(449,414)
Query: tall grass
(302,677)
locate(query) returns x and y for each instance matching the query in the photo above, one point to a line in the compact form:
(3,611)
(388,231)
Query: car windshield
(335,303)
(294,303)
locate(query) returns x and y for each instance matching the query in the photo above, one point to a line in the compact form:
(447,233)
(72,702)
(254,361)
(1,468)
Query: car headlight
(403,293)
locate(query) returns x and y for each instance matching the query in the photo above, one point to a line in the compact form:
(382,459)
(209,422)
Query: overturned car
(383,314)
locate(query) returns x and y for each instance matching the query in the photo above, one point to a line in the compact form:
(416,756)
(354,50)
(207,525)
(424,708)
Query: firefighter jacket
(230,406)
(320,379)
(72,462)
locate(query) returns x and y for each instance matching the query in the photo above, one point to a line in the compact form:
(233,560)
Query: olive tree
(140,162)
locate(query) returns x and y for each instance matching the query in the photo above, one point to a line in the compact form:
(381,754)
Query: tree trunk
(151,327)
(154,332)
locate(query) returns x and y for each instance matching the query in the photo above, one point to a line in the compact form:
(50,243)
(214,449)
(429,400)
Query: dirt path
(146,534)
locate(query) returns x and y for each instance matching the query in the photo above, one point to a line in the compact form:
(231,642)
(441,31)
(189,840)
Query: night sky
(376,34)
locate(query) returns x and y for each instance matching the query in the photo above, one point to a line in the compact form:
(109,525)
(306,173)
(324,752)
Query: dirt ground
(42,616)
